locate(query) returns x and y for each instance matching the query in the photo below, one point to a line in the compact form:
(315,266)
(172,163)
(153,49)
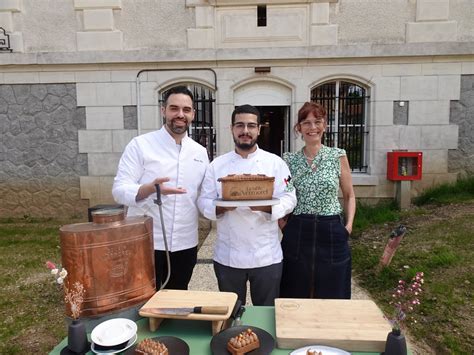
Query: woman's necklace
(311,161)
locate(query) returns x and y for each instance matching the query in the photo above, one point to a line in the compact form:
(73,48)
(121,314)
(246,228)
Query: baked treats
(247,187)
(151,347)
(313,352)
(243,343)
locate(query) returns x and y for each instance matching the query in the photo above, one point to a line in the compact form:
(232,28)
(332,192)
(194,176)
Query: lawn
(439,242)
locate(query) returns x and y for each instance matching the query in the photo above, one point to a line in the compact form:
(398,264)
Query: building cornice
(241,54)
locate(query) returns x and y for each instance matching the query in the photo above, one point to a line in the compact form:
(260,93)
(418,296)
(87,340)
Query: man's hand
(220,210)
(147,189)
(267,209)
(166,190)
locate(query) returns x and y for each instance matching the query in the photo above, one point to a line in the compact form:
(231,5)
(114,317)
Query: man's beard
(177,129)
(245,146)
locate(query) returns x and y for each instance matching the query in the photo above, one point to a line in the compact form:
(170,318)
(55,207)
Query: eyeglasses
(308,124)
(241,125)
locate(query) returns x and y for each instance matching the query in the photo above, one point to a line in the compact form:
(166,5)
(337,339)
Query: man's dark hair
(246,109)
(177,90)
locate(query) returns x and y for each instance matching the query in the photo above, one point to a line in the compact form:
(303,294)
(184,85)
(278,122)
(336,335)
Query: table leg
(217,326)
(155,323)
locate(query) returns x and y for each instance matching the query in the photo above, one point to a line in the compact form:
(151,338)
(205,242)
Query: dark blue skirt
(316,258)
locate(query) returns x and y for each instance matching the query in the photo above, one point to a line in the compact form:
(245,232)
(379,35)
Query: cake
(313,352)
(243,343)
(247,187)
(151,347)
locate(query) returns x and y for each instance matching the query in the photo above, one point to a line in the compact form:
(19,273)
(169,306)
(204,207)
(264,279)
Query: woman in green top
(316,253)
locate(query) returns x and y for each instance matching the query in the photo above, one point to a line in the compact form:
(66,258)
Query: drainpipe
(138,91)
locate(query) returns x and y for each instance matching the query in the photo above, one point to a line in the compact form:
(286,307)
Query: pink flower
(50,265)
(406,299)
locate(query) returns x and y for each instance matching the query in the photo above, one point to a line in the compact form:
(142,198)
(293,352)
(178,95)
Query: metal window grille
(202,128)
(346,104)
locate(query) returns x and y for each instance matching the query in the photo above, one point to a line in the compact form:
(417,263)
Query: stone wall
(461,160)
(39,160)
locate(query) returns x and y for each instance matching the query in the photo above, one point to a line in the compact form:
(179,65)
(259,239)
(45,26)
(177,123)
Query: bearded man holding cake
(247,246)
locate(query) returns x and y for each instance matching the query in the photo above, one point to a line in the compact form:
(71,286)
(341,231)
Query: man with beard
(247,246)
(170,158)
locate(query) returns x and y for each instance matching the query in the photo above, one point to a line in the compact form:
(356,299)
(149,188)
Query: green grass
(368,215)
(439,245)
(31,309)
(459,191)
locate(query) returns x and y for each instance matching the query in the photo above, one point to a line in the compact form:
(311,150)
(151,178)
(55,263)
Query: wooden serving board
(352,325)
(186,298)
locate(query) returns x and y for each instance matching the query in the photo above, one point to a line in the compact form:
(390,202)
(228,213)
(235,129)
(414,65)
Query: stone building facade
(85,76)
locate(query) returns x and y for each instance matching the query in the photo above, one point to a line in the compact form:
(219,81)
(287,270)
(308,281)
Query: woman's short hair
(316,109)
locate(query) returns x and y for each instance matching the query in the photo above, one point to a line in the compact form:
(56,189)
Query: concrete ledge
(10,5)
(97,4)
(212,55)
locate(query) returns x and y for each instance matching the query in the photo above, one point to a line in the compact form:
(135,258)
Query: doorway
(274,131)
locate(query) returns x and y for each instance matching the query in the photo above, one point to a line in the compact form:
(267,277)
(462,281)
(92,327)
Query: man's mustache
(245,135)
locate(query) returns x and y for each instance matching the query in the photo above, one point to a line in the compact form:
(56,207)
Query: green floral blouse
(316,191)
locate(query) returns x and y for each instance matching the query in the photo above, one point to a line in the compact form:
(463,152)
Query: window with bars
(202,128)
(346,104)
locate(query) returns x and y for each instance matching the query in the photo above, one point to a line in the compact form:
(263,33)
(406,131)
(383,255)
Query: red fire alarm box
(402,165)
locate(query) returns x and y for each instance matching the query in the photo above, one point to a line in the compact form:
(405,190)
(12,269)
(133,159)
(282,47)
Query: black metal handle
(158,195)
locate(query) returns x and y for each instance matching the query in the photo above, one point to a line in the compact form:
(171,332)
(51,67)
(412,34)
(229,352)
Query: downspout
(138,91)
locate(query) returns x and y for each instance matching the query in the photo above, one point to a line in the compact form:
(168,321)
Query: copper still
(113,258)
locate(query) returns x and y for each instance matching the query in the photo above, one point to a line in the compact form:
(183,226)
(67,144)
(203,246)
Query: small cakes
(151,347)
(313,352)
(243,343)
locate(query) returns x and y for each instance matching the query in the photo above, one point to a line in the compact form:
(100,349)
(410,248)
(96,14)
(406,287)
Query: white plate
(246,203)
(115,351)
(114,331)
(326,350)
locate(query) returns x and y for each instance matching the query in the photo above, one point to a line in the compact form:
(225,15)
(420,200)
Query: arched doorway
(273,100)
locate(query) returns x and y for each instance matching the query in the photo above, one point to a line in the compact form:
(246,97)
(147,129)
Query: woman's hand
(349,229)
(282,222)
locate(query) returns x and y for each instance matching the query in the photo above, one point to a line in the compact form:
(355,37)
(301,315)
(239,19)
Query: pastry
(313,352)
(151,347)
(243,343)
(247,187)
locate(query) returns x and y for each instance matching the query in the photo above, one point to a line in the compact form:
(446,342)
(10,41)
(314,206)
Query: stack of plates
(113,336)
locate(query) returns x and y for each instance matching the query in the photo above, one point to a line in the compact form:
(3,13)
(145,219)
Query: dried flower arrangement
(405,298)
(73,296)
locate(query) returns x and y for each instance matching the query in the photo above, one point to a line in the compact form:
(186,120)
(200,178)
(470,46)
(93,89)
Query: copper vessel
(113,258)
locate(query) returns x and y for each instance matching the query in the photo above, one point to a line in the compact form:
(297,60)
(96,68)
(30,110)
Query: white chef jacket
(154,155)
(247,239)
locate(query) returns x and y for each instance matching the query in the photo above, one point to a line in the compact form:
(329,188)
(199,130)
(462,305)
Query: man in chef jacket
(177,163)
(247,246)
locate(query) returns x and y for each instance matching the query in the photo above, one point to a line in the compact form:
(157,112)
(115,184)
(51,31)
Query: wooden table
(198,334)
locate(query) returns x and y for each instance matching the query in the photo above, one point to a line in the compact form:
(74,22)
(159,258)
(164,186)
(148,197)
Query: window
(261,15)
(346,105)
(202,128)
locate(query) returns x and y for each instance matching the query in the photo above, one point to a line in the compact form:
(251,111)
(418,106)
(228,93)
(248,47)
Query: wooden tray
(352,325)
(186,298)
(246,203)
